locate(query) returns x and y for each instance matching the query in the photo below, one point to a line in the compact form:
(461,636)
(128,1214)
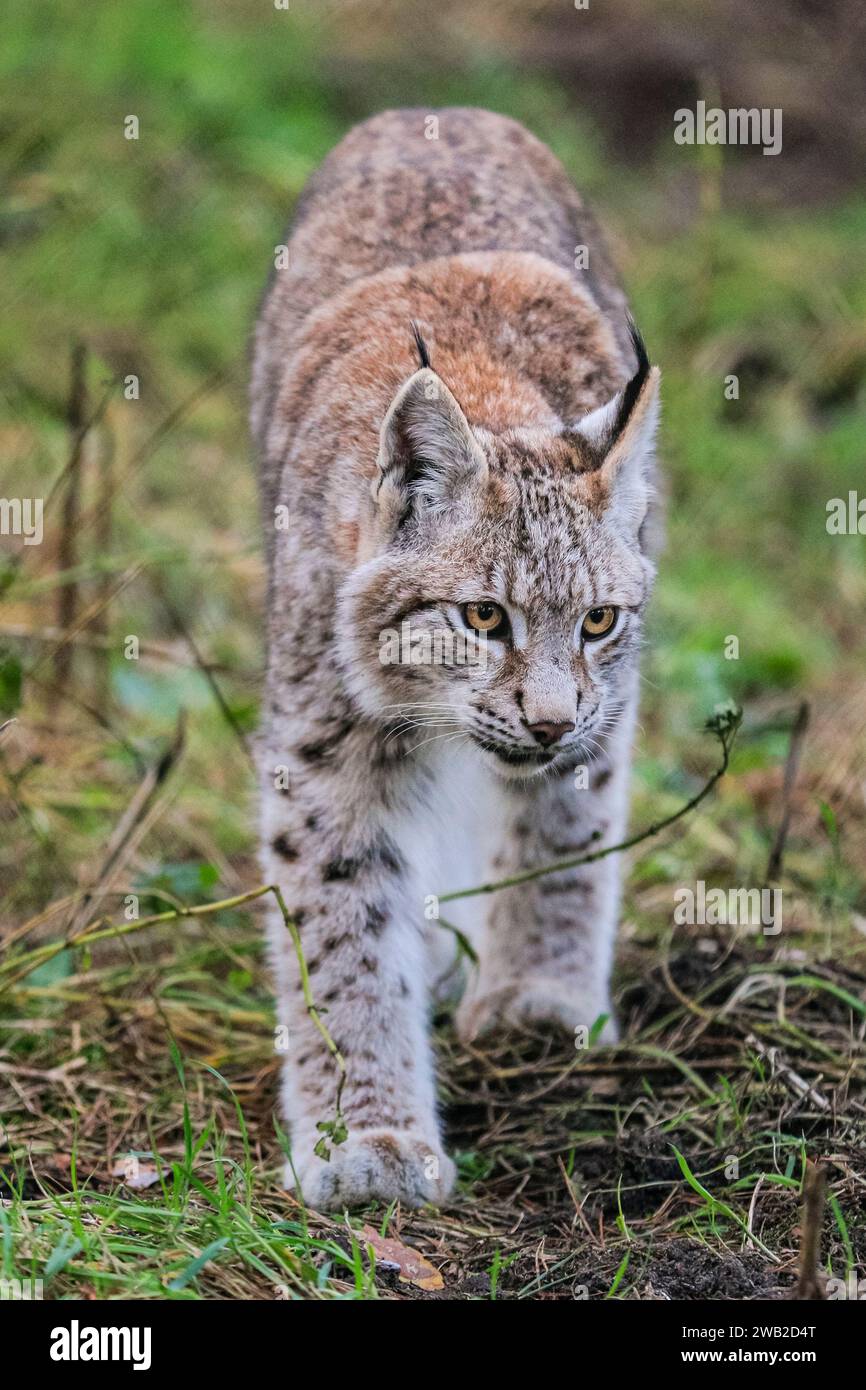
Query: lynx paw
(533,1003)
(384,1164)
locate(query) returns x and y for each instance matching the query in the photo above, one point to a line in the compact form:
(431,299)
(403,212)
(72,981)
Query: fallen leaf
(412,1267)
(605,1085)
(135,1173)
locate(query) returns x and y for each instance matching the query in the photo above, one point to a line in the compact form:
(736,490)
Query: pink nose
(545,734)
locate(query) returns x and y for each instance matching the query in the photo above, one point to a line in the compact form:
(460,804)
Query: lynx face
(503,598)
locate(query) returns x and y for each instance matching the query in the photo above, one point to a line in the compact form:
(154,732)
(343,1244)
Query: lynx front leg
(547,945)
(346,882)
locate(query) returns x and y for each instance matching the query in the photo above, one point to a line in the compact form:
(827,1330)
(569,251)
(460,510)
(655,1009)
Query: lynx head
(508,575)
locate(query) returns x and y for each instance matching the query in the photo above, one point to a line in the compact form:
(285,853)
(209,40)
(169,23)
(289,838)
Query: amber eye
(598,622)
(486,617)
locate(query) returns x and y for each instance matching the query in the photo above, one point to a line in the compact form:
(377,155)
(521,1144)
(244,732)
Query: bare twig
(100,624)
(66,552)
(724,724)
(810,1284)
(179,624)
(795,748)
(800,1087)
(69,635)
(155,440)
(124,839)
(750,1220)
(161,653)
(22,965)
(62,692)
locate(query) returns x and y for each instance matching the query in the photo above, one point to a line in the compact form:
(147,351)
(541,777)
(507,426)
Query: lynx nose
(546,734)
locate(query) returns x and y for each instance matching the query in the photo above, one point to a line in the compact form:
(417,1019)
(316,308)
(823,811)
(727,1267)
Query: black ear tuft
(420,345)
(633,388)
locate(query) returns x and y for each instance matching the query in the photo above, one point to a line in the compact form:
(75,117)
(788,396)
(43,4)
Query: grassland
(669,1166)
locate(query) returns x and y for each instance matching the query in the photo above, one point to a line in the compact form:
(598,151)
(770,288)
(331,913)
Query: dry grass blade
(67,599)
(180,626)
(127,833)
(795,749)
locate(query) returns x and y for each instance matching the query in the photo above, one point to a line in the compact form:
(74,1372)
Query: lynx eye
(598,623)
(486,617)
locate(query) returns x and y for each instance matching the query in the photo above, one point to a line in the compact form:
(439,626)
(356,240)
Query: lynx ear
(621,435)
(428,455)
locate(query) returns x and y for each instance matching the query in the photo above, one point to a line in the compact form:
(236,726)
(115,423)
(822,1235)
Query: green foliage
(155,252)
(187,882)
(10,682)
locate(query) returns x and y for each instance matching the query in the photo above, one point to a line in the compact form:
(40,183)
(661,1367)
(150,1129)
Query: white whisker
(408,724)
(449,734)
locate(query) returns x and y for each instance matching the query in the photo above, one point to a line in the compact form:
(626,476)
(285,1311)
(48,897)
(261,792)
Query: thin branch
(102,930)
(61,692)
(205,667)
(69,634)
(67,549)
(100,622)
(133,823)
(161,653)
(724,724)
(809,1284)
(795,748)
(156,439)
(22,965)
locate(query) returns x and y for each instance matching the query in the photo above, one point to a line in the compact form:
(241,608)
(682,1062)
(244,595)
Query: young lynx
(455,422)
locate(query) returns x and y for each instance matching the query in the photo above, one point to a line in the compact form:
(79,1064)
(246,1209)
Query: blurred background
(131,647)
(132,272)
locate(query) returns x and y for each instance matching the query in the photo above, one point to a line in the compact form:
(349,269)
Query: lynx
(455,421)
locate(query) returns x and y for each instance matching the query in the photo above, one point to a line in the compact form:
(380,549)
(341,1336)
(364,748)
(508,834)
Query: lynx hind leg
(547,946)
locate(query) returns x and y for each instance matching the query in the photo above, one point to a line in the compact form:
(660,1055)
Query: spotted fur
(446,411)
